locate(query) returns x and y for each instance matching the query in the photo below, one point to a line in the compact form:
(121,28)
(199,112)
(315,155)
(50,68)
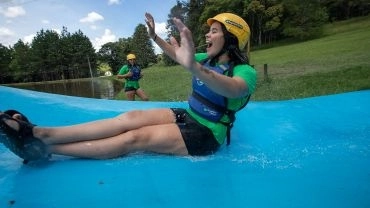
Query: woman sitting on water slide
(222,84)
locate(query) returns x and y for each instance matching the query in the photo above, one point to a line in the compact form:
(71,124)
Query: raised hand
(150,23)
(185,50)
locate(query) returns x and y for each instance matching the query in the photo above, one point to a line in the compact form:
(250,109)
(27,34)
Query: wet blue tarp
(312,152)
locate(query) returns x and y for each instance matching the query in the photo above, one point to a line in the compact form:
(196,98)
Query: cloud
(12,12)
(91,18)
(111,2)
(6,35)
(161,31)
(107,37)
(28,39)
(5,32)
(45,22)
(57,31)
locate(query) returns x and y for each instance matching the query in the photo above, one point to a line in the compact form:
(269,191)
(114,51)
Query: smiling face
(131,62)
(215,39)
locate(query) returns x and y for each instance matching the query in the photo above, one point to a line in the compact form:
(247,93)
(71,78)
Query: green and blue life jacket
(136,71)
(210,105)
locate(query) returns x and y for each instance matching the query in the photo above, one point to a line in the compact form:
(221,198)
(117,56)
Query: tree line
(275,20)
(53,56)
(50,56)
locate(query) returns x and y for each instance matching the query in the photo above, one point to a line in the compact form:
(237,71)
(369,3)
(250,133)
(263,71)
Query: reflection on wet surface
(91,87)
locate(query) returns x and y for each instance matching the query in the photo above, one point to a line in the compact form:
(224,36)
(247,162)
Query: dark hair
(232,47)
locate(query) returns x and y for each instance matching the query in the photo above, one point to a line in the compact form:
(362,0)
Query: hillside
(337,62)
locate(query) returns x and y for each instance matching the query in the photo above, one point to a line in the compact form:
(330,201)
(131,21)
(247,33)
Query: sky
(101,21)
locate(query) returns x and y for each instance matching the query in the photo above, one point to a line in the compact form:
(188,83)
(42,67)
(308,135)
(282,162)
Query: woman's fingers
(185,33)
(150,23)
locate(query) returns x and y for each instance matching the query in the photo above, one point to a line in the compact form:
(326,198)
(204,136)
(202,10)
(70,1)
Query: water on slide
(312,152)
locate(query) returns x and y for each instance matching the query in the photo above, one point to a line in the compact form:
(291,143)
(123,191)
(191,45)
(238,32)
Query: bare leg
(164,138)
(106,128)
(142,94)
(130,95)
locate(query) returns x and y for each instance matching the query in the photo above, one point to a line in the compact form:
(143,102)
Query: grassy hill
(337,62)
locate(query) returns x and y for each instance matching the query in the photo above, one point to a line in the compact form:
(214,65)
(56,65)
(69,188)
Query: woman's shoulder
(123,68)
(244,67)
(244,70)
(200,56)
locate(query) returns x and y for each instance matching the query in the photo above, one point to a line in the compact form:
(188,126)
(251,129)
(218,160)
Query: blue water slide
(312,152)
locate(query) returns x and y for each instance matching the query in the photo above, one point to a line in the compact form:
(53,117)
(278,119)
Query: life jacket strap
(208,103)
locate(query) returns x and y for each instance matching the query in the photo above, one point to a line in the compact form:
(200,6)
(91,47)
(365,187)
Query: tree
(345,9)
(195,10)
(257,10)
(179,11)
(45,49)
(214,7)
(20,67)
(143,46)
(304,19)
(84,56)
(274,15)
(112,54)
(5,59)
(62,57)
(264,19)
(66,54)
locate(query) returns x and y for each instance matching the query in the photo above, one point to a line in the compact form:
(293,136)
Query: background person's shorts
(130,89)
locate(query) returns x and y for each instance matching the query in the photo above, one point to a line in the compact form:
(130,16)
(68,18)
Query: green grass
(314,84)
(338,62)
(170,83)
(163,83)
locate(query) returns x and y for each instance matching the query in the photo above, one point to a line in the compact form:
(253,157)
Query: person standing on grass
(223,82)
(132,73)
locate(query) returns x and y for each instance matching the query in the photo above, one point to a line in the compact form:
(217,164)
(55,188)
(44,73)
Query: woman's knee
(130,115)
(136,140)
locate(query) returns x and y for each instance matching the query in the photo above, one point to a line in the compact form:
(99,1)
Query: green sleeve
(200,56)
(247,73)
(244,71)
(123,70)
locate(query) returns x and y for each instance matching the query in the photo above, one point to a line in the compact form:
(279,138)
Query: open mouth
(209,44)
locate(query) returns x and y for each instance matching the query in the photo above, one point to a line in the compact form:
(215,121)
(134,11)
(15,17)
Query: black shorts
(130,89)
(199,139)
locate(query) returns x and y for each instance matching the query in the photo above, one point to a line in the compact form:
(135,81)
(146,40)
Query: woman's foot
(19,137)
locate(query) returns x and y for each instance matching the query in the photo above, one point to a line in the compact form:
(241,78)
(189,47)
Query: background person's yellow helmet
(131,56)
(235,25)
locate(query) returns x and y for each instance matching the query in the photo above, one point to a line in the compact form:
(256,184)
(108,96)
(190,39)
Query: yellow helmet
(131,56)
(235,25)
